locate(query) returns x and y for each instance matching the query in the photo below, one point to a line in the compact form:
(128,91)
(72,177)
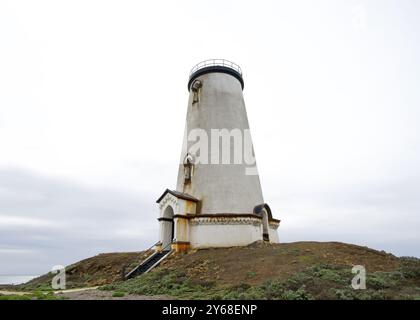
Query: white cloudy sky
(93,99)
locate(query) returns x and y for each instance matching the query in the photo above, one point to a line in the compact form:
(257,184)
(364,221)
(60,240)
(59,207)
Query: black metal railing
(216,62)
(135,270)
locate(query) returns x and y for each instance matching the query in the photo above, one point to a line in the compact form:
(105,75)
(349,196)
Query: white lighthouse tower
(218,200)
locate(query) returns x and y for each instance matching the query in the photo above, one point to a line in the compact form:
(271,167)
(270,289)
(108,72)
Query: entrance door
(168,233)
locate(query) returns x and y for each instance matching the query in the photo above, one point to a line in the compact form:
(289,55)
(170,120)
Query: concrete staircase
(152,261)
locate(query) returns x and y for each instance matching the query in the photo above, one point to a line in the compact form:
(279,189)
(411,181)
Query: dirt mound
(299,270)
(98,270)
(287,271)
(261,261)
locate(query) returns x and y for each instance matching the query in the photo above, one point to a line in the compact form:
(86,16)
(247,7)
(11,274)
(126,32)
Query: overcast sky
(93,99)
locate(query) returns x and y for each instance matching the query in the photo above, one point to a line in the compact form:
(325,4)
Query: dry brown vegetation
(260,261)
(102,269)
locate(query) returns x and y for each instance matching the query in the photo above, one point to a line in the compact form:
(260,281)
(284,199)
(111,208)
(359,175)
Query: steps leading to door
(148,264)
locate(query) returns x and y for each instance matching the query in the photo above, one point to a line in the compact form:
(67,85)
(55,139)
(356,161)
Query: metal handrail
(153,245)
(147,259)
(216,62)
(144,260)
(168,245)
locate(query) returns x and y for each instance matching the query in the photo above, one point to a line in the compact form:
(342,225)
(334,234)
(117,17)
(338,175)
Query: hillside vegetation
(300,270)
(102,269)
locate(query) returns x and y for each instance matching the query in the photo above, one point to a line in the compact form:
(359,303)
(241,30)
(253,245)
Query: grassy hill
(102,269)
(300,270)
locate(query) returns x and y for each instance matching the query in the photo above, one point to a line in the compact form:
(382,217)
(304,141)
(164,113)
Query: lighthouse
(218,201)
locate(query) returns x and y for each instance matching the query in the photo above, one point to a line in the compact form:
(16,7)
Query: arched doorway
(265,212)
(168,231)
(266,236)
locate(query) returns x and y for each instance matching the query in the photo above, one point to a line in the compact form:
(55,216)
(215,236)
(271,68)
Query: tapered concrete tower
(218,200)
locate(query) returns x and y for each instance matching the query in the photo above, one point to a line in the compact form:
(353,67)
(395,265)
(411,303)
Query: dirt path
(21,293)
(89,293)
(75,290)
(14,293)
(94,294)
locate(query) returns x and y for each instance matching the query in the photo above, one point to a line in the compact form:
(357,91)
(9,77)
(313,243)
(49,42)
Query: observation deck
(216,65)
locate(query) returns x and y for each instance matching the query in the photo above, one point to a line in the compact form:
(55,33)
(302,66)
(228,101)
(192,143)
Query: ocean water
(12,279)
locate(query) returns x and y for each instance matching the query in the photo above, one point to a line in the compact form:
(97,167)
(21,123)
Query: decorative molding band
(228,215)
(225,215)
(225,220)
(219,215)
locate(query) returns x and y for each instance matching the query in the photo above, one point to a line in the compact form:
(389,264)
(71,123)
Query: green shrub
(317,282)
(15,297)
(298,279)
(351,294)
(299,294)
(380,280)
(107,287)
(164,282)
(32,296)
(273,289)
(342,294)
(118,294)
(244,293)
(330,275)
(410,267)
